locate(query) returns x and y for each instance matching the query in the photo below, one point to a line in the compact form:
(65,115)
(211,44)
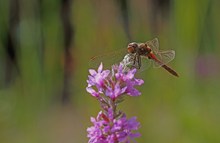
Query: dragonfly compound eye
(132,47)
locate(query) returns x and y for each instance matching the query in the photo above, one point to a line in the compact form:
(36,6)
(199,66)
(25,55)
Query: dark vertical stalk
(123,5)
(159,14)
(11,43)
(39,17)
(68,34)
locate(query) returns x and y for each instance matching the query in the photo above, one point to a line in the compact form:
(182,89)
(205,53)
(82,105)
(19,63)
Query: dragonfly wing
(107,59)
(164,57)
(145,63)
(154,45)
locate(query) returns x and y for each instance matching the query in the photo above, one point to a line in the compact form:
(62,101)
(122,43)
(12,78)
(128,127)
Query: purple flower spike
(112,126)
(113,85)
(109,129)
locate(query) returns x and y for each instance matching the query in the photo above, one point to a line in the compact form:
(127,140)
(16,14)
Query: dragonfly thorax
(143,49)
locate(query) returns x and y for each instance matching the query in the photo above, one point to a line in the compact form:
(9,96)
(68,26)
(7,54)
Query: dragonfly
(140,56)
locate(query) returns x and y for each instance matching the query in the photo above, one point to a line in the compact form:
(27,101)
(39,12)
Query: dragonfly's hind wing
(145,63)
(154,45)
(164,57)
(107,59)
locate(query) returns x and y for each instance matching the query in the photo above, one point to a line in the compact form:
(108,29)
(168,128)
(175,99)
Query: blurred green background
(45,46)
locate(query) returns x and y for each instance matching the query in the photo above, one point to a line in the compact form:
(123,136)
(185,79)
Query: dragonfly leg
(134,61)
(139,62)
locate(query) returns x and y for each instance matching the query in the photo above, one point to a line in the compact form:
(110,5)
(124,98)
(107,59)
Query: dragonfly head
(132,47)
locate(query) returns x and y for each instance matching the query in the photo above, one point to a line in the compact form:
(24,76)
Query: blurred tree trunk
(123,5)
(11,42)
(123,8)
(159,14)
(68,32)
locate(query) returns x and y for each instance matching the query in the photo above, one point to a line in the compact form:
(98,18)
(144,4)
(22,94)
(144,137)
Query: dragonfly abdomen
(170,70)
(164,66)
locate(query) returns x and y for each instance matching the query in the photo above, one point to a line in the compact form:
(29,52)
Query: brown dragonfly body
(150,50)
(138,55)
